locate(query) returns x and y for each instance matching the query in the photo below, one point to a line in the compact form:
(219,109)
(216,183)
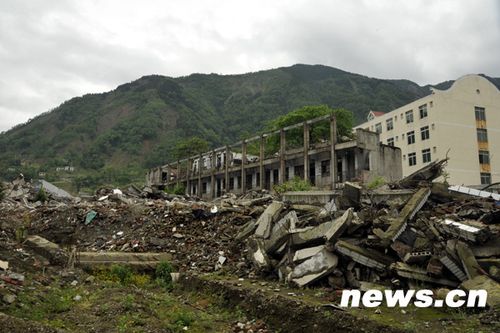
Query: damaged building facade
(276,157)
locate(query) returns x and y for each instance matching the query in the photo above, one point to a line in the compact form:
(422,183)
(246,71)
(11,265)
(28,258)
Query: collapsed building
(324,162)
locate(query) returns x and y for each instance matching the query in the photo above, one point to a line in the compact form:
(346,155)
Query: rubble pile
(391,244)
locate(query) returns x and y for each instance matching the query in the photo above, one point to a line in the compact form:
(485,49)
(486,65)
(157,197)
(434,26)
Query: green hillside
(119,134)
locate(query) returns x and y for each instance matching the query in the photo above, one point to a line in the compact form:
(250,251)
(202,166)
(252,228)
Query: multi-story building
(462,122)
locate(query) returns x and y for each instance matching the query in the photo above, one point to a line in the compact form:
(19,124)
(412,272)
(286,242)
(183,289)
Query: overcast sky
(53,50)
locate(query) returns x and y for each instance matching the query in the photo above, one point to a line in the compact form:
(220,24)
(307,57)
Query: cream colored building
(462,122)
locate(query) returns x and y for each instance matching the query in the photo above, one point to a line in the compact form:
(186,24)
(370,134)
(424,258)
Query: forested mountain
(122,132)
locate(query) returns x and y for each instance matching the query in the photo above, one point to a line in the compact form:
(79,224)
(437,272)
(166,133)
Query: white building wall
(452,129)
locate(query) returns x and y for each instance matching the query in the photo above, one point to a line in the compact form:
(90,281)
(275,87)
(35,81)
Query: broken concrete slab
(399,224)
(453,267)
(474,192)
(50,251)
(417,257)
(325,232)
(417,273)
(482,282)
(303,254)
(369,258)
(265,221)
(280,232)
(471,266)
(467,230)
(352,192)
(247,230)
(258,255)
(140,261)
(314,268)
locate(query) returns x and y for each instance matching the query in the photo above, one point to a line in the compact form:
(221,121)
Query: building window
(390,142)
(231,183)
(484,157)
(480,113)
(426,155)
(325,168)
(389,124)
(409,116)
(422,109)
(248,180)
(412,159)
(204,188)
(424,133)
(410,136)
(482,135)
(378,127)
(485,178)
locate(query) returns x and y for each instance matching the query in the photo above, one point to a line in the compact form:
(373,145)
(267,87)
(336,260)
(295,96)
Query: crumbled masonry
(412,234)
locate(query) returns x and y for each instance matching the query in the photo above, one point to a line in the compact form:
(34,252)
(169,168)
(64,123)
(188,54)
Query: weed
(163,276)
(41,195)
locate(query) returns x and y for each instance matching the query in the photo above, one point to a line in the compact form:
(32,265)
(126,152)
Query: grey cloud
(51,51)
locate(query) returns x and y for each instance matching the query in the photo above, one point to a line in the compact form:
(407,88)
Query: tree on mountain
(189,147)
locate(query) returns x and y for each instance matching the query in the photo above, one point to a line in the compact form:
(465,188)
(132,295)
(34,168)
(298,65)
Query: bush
(177,189)
(163,276)
(121,273)
(296,184)
(376,183)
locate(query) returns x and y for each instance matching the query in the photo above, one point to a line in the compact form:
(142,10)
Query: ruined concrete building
(275,157)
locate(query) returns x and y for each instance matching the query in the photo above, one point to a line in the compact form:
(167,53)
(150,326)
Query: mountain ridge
(136,125)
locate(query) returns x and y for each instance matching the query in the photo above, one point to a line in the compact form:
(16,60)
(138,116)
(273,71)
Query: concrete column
(282,156)
(168,175)
(212,175)
(261,163)
(333,157)
(188,175)
(178,176)
(344,167)
(227,162)
(243,164)
(306,151)
(200,166)
(291,172)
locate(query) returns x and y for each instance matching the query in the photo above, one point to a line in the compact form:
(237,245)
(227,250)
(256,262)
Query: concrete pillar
(188,175)
(261,163)
(306,151)
(212,175)
(333,157)
(344,167)
(200,167)
(227,162)
(168,175)
(243,165)
(282,156)
(178,176)
(291,172)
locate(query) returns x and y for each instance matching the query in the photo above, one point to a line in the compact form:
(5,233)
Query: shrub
(163,276)
(177,189)
(121,273)
(296,184)
(376,183)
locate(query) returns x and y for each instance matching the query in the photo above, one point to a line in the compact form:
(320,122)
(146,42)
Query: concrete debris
(265,221)
(398,225)
(464,230)
(483,282)
(350,238)
(474,192)
(362,256)
(317,266)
